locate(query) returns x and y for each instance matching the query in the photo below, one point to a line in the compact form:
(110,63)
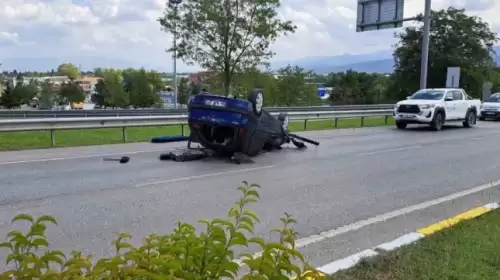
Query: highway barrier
(35,113)
(54,124)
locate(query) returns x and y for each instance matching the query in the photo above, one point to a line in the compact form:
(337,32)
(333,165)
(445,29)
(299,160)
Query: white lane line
(303,242)
(81,157)
(205,176)
(390,150)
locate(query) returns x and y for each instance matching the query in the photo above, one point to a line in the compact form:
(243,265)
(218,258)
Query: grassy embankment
(469,250)
(72,138)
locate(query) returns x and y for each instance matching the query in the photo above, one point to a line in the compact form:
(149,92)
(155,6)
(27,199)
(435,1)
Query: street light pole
(425,45)
(175,3)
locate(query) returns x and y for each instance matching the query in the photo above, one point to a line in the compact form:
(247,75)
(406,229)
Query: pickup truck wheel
(470,119)
(401,125)
(437,123)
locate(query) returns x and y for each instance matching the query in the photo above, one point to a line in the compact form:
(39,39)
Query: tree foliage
(182,254)
(226,37)
(456,39)
(9,99)
(47,97)
(68,69)
(71,93)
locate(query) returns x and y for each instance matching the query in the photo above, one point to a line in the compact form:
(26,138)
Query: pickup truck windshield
(428,95)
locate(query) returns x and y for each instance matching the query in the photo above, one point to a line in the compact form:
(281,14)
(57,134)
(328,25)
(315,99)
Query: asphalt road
(355,174)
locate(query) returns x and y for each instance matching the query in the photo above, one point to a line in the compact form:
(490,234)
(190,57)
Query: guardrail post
(305,124)
(386,119)
(52,138)
(336,123)
(124,134)
(362,121)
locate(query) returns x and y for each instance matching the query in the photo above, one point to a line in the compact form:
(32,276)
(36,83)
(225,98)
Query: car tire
(401,125)
(285,121)
(437,122)
(470,119)
(256,97)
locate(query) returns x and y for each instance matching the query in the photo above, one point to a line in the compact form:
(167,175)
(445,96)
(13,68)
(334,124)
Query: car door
(460,103)
(451,112)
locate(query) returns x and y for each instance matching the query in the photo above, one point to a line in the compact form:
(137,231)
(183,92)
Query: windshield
(428,95)
(493,99)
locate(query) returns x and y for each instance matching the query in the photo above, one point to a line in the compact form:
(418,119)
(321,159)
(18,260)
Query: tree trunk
(227,79)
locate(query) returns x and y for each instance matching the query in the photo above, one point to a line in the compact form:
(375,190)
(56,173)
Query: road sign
(453,77)
(379,14)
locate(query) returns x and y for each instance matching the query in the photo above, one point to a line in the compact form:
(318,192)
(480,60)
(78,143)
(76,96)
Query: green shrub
(182,254)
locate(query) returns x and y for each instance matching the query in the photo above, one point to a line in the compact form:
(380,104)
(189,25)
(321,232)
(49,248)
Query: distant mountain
(380,62)
(377,62)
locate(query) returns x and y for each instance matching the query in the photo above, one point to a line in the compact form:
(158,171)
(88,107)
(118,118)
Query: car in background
(436,107)
(490,109)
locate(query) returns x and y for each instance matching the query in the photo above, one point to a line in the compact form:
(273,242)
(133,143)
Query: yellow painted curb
(454,220)
(319,275)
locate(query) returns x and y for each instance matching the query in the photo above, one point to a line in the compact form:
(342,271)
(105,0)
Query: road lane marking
(82,157)
(303,242)
(205,175)
(389,150)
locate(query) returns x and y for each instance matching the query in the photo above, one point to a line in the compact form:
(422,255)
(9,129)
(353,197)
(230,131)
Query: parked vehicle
(490,109)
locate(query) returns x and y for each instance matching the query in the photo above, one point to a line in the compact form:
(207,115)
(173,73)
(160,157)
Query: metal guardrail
(54,124)
(21,114)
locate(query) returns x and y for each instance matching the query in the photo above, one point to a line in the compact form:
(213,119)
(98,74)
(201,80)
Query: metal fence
(22,114)
(53,124)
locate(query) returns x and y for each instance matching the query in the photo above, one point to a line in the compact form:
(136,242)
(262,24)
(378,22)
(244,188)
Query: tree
(142,87)
(225,37)
(456,39)
(293,88)
(68,69)
(72,93)
(114,92)
(9,99)
(183,91)
(47,97)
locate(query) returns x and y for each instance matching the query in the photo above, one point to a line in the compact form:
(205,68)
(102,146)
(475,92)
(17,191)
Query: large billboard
(379,14)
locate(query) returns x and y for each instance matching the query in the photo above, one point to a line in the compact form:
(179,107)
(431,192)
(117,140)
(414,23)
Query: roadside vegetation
(182,254)
(71,138)
(469,250)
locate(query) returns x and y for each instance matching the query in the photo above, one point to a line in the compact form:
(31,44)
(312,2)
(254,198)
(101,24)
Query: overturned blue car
(236,128)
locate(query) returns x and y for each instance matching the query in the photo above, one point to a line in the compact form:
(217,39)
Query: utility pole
(425,45)
(174,56)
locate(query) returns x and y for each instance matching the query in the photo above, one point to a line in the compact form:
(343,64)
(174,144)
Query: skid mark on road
(389,150)
(205,176)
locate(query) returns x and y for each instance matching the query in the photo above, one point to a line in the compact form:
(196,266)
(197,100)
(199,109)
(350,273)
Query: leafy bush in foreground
(182,254)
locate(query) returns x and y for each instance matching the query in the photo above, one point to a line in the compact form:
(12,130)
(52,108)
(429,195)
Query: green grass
(84,137)
(470,250)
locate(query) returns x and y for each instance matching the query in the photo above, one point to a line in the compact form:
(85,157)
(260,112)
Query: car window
(449,94)
(457,95)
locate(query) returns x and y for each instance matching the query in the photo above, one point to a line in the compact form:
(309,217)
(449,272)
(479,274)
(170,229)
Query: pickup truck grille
(412,109)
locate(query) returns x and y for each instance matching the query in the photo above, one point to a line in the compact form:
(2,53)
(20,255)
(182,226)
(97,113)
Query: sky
(128,29)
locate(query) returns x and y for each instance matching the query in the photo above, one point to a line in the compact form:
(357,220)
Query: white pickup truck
(436,107)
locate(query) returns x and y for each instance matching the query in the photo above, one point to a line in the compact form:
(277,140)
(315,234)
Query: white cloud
(127,30)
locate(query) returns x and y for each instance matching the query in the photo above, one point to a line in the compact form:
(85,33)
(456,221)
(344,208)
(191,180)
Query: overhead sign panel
(379,14)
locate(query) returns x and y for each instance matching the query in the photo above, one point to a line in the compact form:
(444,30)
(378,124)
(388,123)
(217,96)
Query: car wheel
(437,123)
(283,118)
(470,119)
(257,99)
(401,125)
